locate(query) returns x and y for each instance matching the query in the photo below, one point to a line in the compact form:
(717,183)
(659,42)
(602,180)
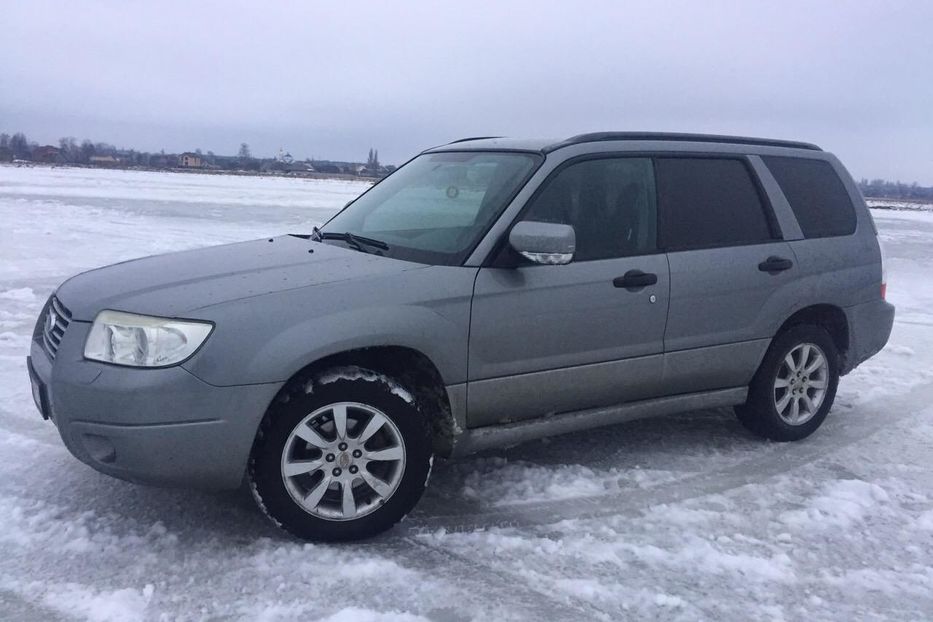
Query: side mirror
(544,242)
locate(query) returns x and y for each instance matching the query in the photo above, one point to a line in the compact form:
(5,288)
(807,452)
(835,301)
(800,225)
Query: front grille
(53,324)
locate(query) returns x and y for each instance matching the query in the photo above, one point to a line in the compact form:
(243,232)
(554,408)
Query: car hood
(176,284)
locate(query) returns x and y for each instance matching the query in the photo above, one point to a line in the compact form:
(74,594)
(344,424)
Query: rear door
(839,256)
(547,339)
(732,276)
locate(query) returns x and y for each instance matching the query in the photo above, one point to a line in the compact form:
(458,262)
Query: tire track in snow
(509,588)
(859,423)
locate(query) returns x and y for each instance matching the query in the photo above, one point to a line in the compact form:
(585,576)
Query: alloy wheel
(801,384)
(343,461)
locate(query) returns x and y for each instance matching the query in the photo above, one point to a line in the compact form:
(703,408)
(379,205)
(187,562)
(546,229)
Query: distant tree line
(17,147)
(883,189)
(90,153)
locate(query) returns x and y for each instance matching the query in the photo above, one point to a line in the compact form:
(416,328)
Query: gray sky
(331,80)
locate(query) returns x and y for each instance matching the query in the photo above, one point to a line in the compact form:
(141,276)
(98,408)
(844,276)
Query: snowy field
(896,204)
(684,518)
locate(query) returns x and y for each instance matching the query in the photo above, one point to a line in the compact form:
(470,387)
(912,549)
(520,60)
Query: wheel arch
(411,368)
(829,317)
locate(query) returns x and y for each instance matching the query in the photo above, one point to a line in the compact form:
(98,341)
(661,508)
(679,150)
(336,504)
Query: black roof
(547,146)
(680,137)
(468,139)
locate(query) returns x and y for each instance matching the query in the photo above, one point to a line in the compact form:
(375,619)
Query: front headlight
(143,341)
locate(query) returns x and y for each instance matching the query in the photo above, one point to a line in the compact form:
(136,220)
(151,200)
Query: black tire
(760,414)
(349,385)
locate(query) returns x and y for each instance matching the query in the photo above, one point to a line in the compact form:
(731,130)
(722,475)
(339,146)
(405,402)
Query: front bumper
(870,327)
(158,426)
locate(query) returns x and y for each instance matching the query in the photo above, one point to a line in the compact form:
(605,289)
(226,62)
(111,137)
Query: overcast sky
(332,79)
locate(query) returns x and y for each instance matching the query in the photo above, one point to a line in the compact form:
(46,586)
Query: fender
(425,309)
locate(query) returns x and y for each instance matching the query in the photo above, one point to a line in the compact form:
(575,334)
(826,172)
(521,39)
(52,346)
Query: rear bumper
(156,426)
(870,326)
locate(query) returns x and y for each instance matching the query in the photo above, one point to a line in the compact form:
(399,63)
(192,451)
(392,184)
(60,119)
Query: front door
(546,339)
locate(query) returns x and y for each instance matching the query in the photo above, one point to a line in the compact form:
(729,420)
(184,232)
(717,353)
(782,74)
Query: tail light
(884,271)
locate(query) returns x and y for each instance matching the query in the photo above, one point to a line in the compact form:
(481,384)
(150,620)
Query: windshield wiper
(356,241)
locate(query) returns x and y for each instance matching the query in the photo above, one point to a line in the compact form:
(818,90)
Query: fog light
(99,448)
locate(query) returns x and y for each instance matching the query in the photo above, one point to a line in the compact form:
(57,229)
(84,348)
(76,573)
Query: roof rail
(672,136)
(463,140)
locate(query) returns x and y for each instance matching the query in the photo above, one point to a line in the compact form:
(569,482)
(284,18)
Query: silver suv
(489,292)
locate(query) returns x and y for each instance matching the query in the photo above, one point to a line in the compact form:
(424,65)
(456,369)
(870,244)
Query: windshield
(435,208)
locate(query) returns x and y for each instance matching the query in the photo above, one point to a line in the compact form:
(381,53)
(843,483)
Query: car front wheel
(343,456)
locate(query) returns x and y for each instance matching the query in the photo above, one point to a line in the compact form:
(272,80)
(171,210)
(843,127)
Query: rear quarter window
(816,194)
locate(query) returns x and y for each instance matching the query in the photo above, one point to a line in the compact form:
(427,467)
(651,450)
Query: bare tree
(87,150)
(69,149)
(19,145)
(244,153)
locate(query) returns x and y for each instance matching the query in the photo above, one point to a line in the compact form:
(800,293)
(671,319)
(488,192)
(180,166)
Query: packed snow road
(682,518)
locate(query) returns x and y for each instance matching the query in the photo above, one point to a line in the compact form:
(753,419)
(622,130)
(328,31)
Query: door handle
(773,265)
(635,279)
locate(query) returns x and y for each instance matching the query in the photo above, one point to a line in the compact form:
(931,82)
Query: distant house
(103,160)
(163,161)
(271,166)
(190,160)
(326,168)
(299,167)
(46,153)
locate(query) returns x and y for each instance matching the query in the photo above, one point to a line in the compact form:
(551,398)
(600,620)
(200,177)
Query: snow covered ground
(900,205)
(682,518)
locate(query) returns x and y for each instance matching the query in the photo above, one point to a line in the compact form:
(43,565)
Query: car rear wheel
(794,388)
(343,456)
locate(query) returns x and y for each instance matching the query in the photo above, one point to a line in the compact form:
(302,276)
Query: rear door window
(709,203)
(816,194)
